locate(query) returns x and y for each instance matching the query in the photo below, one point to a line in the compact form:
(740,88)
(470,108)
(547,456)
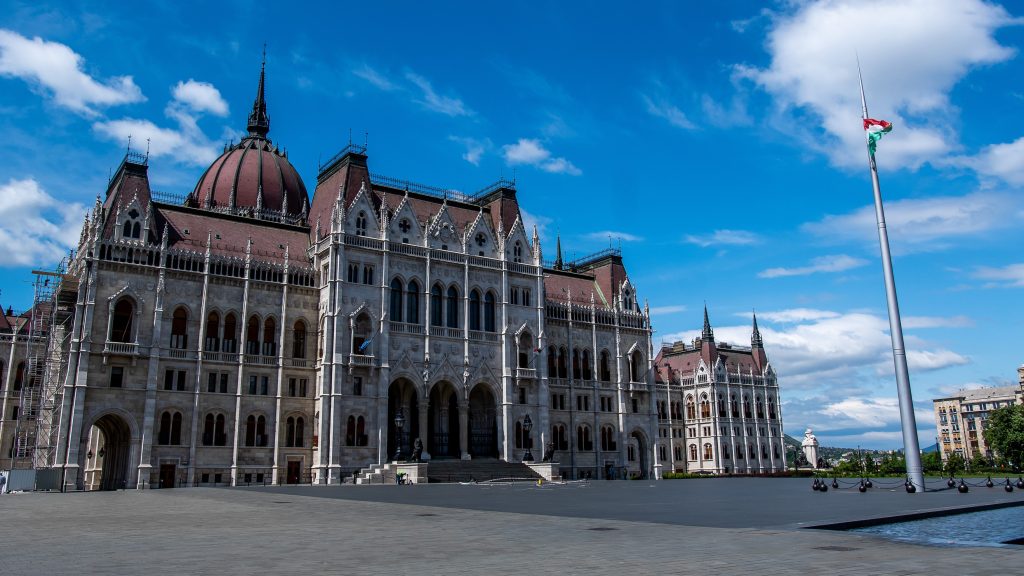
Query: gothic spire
(707,334)
(259,122)
(755,336)
(558,252)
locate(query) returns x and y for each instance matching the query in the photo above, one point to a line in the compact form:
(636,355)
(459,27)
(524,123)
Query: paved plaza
(731,526)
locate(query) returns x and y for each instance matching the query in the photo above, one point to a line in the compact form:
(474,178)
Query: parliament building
(246,333)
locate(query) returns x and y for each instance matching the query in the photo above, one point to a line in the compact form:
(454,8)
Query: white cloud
(666,110)
(735,114)
(530,220)
(41,227)
(832,263)
(606,234)
(56,69)
(922,224)
(798,315)
(201,97)
(1011,275)
(531,152)
(913,53)
(431,100)
(474,148)
(724,238)
(375,78)
(911,322)
(873,412)
(665,310)
(999,160)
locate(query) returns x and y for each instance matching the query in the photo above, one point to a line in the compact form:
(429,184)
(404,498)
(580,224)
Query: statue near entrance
(549,451)
(809,448)
(417,452)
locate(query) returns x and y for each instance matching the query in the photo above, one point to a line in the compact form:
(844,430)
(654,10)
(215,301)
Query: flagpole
(911,447)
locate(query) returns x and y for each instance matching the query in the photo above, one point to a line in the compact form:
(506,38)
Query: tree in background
(955,464)
(979,463)
(931,462)
(1004,432)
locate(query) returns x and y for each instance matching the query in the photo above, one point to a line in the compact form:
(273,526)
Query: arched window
(230,334)
(636,366)
(250,430)
(136,231)
(489,312)
(294,431)
(126,230)
(739,452)
(220,438)
(771,408)
(734,405)
(452,307)
(691,411)
(751,452)
(412,303)
(721,405)
(588,371)
(289,432)
(121,323)
(361,437)
(517,252)
(261,431)
(474,310)
(775,450)
(584,441)
(164,435)
(606,373)
(435,306)
(705,406)
(252,336)
(559,438)
(552,370)
(525,349)
(350,431)
(300,432)
(395,300)
(212,343)
(764,451)
(576,364)
(519,434)
(179,328)
(759,406)
(176,429)
(746,407)
(707,452)
(269,337)
(693,452)
(299,339)
(361,224)
(725,452)
(562,368)
(208,427)
(19,378)
(607,438)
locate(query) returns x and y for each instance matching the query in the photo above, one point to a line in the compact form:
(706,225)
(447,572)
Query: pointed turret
(707,334)
(259,122)
(558,252)
(755,336)
(757,348)
(708,350)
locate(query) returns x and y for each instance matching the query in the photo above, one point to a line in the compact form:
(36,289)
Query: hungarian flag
(876,129)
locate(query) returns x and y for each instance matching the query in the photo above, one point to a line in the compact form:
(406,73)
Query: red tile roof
(269,239)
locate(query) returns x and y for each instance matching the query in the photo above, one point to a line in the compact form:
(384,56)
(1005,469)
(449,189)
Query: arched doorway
(111,438)
(443,422)
(642,452)
(483,424)
(402,395)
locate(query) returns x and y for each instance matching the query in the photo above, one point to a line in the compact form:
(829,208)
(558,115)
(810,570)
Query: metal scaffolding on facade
(50,323)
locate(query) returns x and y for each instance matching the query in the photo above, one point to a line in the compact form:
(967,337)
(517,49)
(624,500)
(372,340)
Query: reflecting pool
(1001,528)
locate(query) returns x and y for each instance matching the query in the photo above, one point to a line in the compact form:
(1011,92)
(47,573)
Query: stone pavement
(721,526)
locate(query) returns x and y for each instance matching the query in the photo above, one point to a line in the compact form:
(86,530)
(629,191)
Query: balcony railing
(405,328)
(362,360)
(484,336)
(127,348)
(526,373)
(258,360)
(178,353)
(445,332)
(220,357)
(638,387)
(298,363)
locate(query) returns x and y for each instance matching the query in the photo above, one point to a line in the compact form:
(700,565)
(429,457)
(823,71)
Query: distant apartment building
(960,419)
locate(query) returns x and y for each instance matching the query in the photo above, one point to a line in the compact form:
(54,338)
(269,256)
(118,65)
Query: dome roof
(253,177)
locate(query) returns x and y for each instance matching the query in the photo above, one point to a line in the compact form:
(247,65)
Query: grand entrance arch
(483,423)
(402,396)
(110,442)
(443,430)
(642,452)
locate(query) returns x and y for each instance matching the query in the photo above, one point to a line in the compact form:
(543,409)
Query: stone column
(464,429)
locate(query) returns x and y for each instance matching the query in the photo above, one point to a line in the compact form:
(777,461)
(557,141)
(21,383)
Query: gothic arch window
(759,406)
(606,373)
(412,303)
(693,452)
(436,300)
(256,431)
(361,438)
(552,370)
(230,333)
(691,411)
(252,335)
(489,311)
(559,438)
(563,369)
(352,273)
(705,406)
(452,307)
(269,337)
(361,224)
(295,432)
(212,343)
(725,452)
(126,230)
(584,441)
(771,408)
(707,452)
(775,450)
(588,371)
(179,328)
(607,438)
(474,309)
(360,333)
(525,349)
(299,339)
(136,231)
(350,431)
(735,407)
(213,430)
(368,274)
(721,405)
(395,300)
(746,407)
(576,372)
(121,329)
(517,252)
(513,295)
(635,365)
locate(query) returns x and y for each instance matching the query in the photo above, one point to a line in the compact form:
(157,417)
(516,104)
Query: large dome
(253,177)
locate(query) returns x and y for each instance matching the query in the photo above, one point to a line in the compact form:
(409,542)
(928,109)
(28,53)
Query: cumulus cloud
(925,224)
(201,97)
(1001,161)
(797,315)
(662,108)
(723,238)
(41,227)
(1011,275)
(56,70)
(431,100)
(913,53)
(832,263)
(531,152)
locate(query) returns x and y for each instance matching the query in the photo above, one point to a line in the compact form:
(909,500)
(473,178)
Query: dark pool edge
(851,524)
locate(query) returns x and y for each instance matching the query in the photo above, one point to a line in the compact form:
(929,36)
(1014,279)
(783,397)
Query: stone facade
(960,419)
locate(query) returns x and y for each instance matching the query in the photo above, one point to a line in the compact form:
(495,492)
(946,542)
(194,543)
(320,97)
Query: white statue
(810,448)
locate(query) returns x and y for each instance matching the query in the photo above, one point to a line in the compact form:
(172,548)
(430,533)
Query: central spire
(755,336)
(707,334)
(259,122)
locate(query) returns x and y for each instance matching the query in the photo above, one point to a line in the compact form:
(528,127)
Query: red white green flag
(876,129)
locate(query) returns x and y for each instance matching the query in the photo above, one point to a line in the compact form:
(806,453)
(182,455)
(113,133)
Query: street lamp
(527,426)
(399,424)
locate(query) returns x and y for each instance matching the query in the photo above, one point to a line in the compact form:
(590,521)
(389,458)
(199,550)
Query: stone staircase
(479,470)
(376,474)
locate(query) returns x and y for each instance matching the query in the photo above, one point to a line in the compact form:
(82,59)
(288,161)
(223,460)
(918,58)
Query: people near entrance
(3,482)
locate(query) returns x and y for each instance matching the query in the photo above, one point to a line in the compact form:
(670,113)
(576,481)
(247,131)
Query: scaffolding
(46,353)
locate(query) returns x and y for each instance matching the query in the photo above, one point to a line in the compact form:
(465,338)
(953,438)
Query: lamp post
(399,424)
(527,426)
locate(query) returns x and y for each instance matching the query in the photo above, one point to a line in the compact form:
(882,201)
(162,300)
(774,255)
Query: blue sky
(720,145)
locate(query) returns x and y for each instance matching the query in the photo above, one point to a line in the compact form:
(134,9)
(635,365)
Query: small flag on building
(876,129)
